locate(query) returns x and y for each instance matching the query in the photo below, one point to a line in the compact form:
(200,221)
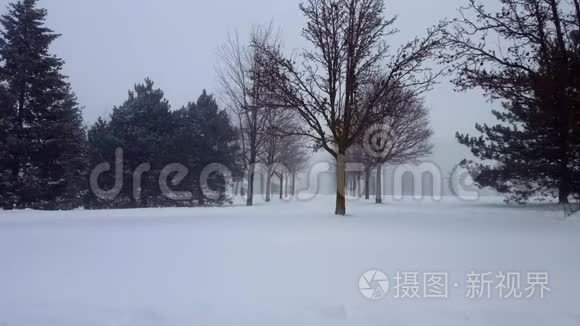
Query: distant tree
(152,137)
(142,128)
(204,135)
(403,137)
(281,146)
(525,55)
(101,149)
(274,145)
(62,155)
(295,159)
(356,155)
(241,77)
(347,54)
(45,143)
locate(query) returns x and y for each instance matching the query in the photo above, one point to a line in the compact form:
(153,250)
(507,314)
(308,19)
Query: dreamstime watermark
(376,140)
(374,285)
(405,181)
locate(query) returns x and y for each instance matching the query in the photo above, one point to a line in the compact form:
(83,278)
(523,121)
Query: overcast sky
(109,45)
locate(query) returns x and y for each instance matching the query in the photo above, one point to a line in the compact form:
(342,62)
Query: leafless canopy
(343,77)
(349,55)
(406,134)
(505,52)
(241,74)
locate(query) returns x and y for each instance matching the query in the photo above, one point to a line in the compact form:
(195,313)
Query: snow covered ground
(282,264)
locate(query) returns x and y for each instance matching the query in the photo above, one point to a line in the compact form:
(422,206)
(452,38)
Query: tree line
(349,94)
(48,158)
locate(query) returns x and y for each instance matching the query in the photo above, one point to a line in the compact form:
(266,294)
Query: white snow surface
(282,263)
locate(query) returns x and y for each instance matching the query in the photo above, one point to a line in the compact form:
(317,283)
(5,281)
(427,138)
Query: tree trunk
(286,186)
(293,184)
(281,186)
(250,190)
(358,189)
(563,195)
(262,184)
(564,186)
(379,185)
(348,186)
(253,156)
(340,184)
(367,184)
(351,186)
(562,104)
(373,186)
(268,185)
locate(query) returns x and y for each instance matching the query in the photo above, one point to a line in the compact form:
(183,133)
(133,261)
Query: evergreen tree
(141,127)
(204,136)
(526,154)
(534,150)
(195,136)
(44,166)
(101,149)
(6,154)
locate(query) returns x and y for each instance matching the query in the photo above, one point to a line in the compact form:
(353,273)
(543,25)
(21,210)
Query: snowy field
(282,264)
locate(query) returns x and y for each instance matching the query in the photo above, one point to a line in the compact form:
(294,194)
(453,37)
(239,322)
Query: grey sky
(109,45)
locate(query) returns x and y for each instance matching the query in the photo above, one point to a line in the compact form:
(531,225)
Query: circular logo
(377,140)
(374,285)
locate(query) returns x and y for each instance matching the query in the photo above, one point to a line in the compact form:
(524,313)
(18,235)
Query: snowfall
(287,263)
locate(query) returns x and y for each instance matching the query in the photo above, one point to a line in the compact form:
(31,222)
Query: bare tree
(280,144)
(403,137)
(356,155)
(348,54)
(295,160)
(359,155)
(240,74)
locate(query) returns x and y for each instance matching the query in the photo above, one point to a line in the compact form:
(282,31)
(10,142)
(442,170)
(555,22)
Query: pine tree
(141,127)
(195,136)
(526,154)
(6,155)
(101,149)
(534,149)
(46,141)
(204,136)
